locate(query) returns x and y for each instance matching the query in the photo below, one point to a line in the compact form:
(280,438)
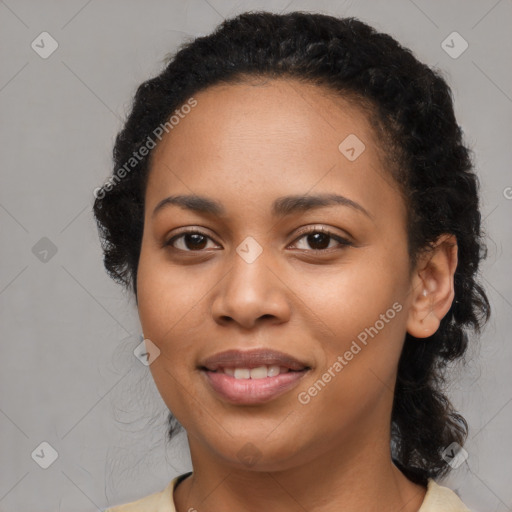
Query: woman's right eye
(188,241)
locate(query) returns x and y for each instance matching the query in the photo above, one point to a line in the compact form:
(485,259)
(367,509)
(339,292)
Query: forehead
(276,112)
(264,136)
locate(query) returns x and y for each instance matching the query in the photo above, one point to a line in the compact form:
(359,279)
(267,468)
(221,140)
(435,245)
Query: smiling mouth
(245,377)
(252,386)
(236,359)
(260,372)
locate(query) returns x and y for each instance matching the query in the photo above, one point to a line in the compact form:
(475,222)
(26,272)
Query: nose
(251,292)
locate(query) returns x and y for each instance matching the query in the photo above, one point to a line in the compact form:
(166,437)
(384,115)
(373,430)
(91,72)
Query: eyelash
(342,241)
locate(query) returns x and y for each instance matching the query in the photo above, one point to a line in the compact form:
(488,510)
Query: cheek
(362,309)
(173,315)
(353,296)
(164,306)
(166,295)
(359,358)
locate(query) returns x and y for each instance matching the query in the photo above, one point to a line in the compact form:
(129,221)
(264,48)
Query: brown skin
(246,145)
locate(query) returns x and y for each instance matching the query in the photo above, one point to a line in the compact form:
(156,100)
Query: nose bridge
(251,288)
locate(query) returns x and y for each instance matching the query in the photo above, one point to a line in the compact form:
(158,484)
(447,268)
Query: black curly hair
(411,107)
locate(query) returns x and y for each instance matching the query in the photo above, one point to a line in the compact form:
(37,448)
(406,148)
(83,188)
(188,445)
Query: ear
(432,287)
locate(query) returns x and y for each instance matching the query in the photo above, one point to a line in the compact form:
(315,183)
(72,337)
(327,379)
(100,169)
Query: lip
(252,391)
(252,359)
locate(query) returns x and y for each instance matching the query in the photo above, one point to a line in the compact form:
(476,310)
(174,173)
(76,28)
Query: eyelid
(342,239)
(186,231)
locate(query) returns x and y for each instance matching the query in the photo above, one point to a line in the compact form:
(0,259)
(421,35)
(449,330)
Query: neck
(359,476)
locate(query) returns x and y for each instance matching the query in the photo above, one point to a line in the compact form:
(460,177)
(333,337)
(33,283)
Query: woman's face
(260,275)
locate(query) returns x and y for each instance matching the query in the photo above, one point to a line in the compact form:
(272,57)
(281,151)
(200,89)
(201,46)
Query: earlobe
(432,287)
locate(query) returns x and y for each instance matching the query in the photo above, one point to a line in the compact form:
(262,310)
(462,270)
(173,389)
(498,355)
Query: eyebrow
(281,207)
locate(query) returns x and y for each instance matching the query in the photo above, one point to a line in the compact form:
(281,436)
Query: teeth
(242,373)
(255,373)
(273,371)
(259,373)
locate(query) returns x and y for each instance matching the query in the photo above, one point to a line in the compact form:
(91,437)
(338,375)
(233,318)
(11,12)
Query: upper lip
(252,359)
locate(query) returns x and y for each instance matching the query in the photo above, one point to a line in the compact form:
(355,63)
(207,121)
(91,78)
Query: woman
(296,213)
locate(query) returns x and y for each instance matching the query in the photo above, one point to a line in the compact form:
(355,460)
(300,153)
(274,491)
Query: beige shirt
(437,499)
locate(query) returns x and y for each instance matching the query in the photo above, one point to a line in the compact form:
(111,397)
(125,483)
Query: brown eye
(319,239)
(189,241)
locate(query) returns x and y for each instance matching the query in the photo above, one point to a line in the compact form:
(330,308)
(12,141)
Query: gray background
(68,374)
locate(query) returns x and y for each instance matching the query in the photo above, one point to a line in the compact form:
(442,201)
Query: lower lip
(252,391)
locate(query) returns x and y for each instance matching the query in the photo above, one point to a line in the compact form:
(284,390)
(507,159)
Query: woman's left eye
(319,239)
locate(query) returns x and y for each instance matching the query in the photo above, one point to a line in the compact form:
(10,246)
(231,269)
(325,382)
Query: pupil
(196,241)
(317,239)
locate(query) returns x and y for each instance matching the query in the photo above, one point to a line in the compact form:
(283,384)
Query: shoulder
(437,499)
(441,499)
(142,505)
(157,502)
